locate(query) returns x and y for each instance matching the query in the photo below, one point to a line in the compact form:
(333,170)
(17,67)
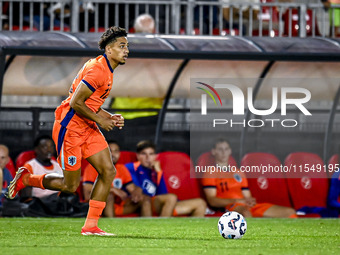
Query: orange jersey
(122,179)
(97,75)
(229,187)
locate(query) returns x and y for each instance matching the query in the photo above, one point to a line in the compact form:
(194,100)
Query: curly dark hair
(110,35)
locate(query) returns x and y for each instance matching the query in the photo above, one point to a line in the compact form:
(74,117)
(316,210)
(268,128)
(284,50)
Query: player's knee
(244,211)
(71,187)
(109,172)
(171,198)
(201,204)
(146,199)
(288,212)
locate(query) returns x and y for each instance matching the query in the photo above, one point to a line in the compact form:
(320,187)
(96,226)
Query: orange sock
(95,210)
(35,180)
(293,216)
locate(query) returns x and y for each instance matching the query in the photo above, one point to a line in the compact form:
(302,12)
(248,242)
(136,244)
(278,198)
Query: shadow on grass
(156,238)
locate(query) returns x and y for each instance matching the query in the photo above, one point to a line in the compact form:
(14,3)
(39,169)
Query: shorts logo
(72,160)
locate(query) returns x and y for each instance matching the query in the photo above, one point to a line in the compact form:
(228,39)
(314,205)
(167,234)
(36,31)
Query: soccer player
(76,134)
(147,174)
(125,197)
(229,191)
(43,164)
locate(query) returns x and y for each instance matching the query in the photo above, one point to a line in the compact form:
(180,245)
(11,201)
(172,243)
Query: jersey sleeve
(90,175)
(131,168)
(125,174)
(161,187)
(94,77)
(208,182)
(244,183)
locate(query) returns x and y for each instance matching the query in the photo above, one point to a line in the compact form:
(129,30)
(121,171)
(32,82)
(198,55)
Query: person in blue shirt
(147,174)
(5,175)
(334,192)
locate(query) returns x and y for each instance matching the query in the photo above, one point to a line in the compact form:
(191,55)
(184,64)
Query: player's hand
(120,193)
(119,120)
(157,166)
(250,201)
(137,195)
(107,123)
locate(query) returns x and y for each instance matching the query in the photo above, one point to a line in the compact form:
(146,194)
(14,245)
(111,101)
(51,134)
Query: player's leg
(102,162)
(130,207)
(67,183)
(242,209)
(69,158)
(194,207)
(143,206)
(276,211)
(109,208)
(146,207)
(164,205)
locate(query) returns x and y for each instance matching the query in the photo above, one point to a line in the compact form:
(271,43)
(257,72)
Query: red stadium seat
(23,157)
(295,23)
(195,31)
(11,167)
(207,159)
(268,13)
(58,28)
(307,188)
(176,168)
(127,157)
(24,28)
(266,190)
(100,29)
(225,32)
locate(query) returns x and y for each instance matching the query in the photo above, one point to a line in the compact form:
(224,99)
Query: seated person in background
(333,202)
(147,174)
(124,197)
(229,190)
(5,175)
(41,165)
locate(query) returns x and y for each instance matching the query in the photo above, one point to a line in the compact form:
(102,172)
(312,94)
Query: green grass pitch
(168,236)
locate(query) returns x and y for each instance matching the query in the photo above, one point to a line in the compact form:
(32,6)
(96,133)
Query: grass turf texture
(168,236)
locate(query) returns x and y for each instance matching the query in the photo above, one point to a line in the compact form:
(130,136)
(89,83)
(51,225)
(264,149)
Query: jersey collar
(108,63)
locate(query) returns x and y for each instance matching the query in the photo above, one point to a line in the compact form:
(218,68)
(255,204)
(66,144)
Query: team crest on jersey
(72,160)
(117,183)
(238,177)
(149,186)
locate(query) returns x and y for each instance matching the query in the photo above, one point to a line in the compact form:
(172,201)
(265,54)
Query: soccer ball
(232,225)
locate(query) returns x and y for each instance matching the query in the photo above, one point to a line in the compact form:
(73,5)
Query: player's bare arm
(249,200)
(78,104)
(1,176)
(120,193)
(136,192)
(214,201)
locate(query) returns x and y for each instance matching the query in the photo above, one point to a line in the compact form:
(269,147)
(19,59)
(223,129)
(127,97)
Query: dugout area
(43,65)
